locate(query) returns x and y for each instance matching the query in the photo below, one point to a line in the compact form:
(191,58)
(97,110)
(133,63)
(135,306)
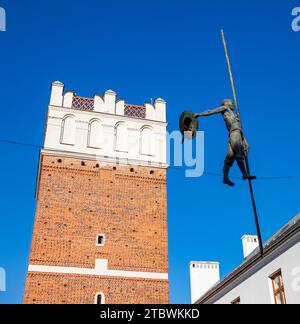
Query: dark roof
(292,227)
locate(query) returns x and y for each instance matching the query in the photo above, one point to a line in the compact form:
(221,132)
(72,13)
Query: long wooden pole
(231,75)
(256,219)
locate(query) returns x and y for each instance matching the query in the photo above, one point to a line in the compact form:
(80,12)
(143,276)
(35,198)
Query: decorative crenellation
(106,103)
(106,129)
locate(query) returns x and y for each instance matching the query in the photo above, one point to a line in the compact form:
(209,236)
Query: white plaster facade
(251,282)
(106,133)
(255,286)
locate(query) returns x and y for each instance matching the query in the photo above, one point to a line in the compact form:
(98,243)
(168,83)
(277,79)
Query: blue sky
(148,49)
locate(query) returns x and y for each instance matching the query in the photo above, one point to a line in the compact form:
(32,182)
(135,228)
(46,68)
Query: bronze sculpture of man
(238,147)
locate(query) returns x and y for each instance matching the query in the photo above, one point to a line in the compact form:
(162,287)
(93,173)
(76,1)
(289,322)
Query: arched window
(100,299)
(95,135)
(121,138)
(68,130)
(146,144)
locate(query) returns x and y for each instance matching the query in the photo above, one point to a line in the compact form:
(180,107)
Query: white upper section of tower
(106,129)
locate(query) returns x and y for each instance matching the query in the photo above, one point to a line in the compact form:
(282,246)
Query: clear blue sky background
(148,49)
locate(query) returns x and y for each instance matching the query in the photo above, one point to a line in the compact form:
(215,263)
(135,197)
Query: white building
(271,279)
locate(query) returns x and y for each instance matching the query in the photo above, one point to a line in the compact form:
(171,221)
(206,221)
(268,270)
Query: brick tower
(100,233)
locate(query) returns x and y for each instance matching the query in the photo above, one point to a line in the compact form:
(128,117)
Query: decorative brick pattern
(135,111)
(77,200)
(84,104)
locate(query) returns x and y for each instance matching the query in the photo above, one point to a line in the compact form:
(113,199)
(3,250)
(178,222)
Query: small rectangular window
(100,240)
(278,288)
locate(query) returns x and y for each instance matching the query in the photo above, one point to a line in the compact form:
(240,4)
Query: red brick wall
(78,289)
(79,199)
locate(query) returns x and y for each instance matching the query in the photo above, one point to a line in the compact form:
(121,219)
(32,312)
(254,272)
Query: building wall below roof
(255,287)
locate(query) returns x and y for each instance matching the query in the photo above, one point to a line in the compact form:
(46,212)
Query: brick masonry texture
(78,289)
(79,199)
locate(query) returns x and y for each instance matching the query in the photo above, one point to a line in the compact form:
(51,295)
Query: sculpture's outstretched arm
(211,112)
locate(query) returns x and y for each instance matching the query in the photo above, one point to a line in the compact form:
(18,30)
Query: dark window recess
(99,299)
(100,239)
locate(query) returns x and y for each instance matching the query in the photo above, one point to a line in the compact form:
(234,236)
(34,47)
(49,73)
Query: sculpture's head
(228,103)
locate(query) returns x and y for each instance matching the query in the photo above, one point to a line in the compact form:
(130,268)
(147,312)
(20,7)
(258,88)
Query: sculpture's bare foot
(249,177)
(228,182)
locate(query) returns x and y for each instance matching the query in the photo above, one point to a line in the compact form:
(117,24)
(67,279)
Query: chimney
(250,243)
(203,276)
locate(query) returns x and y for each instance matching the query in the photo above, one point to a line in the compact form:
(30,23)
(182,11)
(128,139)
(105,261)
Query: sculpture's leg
(238,148)
(227,166)
(226,179)
(242,167)
(246,175)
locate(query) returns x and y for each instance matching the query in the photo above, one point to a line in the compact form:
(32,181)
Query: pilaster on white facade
(250,244)
(203,276)
(106,128)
